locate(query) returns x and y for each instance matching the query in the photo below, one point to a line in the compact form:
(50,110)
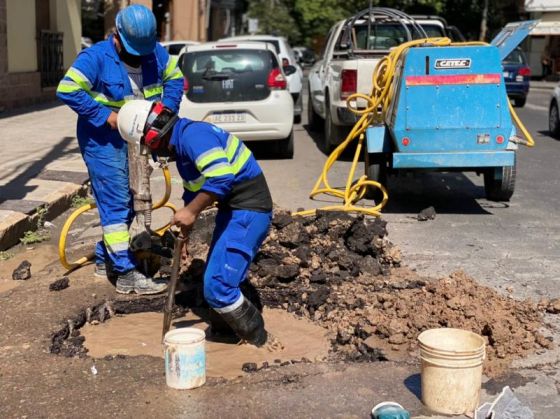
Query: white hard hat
(132,119)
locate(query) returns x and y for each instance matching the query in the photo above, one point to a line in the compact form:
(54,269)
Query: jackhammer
(152,248)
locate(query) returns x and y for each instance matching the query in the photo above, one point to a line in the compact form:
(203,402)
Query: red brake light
(276,80)
(524,71)
(285,62)
(348,84)
(185,84)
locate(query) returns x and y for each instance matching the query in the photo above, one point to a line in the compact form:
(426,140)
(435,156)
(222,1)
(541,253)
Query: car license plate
(224,118)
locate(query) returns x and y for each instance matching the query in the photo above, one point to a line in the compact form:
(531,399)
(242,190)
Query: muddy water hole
(331,287)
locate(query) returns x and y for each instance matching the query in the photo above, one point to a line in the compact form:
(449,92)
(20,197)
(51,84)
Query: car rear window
(384,36)
(515,57)
(228,75)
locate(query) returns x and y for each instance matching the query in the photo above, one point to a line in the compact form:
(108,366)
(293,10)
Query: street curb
(17,223)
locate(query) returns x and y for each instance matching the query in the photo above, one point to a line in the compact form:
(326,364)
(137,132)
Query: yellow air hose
(377,104)
(163,203)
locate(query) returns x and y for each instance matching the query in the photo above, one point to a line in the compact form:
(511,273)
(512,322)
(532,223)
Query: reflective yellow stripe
(116,238)
(231,147)
(240,161)
(194,185)
(219,170)
(171,70)
(79,78)
(67,86)
(153,91)
(104,101)
(177,74)
(211,155)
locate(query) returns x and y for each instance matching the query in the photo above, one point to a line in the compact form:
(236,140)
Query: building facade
(544,43)
(39,40)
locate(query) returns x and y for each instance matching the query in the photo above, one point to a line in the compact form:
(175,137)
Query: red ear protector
(159,122)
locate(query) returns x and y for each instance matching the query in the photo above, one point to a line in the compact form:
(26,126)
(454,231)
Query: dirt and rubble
(342,273)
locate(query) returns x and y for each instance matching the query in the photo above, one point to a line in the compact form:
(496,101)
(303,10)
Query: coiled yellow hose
(377,105)
(163,203)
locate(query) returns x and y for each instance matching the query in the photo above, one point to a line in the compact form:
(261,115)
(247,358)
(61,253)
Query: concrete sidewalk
(42,167)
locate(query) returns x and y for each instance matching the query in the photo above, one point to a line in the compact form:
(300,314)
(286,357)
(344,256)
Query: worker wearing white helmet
(216,167)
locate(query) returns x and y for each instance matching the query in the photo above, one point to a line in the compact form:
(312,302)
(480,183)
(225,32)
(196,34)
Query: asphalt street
(514,244)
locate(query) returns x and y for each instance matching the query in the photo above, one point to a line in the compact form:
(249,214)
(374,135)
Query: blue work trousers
(236,240)
(107,166)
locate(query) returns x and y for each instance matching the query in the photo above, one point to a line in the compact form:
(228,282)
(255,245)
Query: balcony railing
(51,64)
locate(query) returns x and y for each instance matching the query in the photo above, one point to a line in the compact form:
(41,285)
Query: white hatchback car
(242,88)
(287,57)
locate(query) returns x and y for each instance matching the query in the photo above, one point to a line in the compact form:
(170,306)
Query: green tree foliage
(306,21)
(275,17)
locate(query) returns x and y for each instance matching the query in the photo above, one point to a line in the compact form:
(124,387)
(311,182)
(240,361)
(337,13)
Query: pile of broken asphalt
(342,272)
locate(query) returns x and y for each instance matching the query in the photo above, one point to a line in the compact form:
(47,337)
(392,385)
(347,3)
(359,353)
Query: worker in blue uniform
(216,167)
(130,64)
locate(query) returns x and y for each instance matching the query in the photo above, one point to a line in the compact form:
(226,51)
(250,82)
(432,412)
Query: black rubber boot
(247,323)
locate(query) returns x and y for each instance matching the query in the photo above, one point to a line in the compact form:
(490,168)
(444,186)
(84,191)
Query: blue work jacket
(210,159)
(98,83)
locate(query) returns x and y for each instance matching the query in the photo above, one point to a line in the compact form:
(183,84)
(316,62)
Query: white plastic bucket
(185,358)
(451,370)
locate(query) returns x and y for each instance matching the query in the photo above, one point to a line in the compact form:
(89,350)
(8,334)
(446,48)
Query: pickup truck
(353,48)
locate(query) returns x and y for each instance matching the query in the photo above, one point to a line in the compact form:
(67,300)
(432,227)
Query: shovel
(168,308)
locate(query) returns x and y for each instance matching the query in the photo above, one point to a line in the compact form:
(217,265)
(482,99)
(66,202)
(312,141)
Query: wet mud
(343,274)
(140,334)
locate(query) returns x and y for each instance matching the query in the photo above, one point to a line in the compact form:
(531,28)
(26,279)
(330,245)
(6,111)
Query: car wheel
(499,182)
(519,102)
(554,120)
(285,147)
(313,119)
(375,169)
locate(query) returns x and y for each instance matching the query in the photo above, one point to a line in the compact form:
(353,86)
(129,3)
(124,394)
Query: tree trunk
(484,22)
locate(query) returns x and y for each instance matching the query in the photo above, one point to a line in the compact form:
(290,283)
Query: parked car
(241,87)
(346,64)
(287,57)
(304,56)
(554,113)
(516,76)
(175,47)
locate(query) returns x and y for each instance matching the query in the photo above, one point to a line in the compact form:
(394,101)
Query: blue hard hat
(136,26)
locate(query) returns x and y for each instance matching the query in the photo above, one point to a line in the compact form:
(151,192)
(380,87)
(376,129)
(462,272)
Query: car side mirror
(289,70)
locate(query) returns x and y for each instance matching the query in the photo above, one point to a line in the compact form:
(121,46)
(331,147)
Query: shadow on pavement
(548,134)
(413,384)
(448,193)
(17,188)
(28,109)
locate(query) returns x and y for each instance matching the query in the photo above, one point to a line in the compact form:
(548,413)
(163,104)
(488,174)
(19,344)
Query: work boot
(101,270)
(136,281)
(247,323)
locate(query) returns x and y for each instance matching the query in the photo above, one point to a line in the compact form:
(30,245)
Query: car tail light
(185,84)
(349,83)
(226,46)
(524,71)
(285,62)
(276,80)
(406,141)
(500,139)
